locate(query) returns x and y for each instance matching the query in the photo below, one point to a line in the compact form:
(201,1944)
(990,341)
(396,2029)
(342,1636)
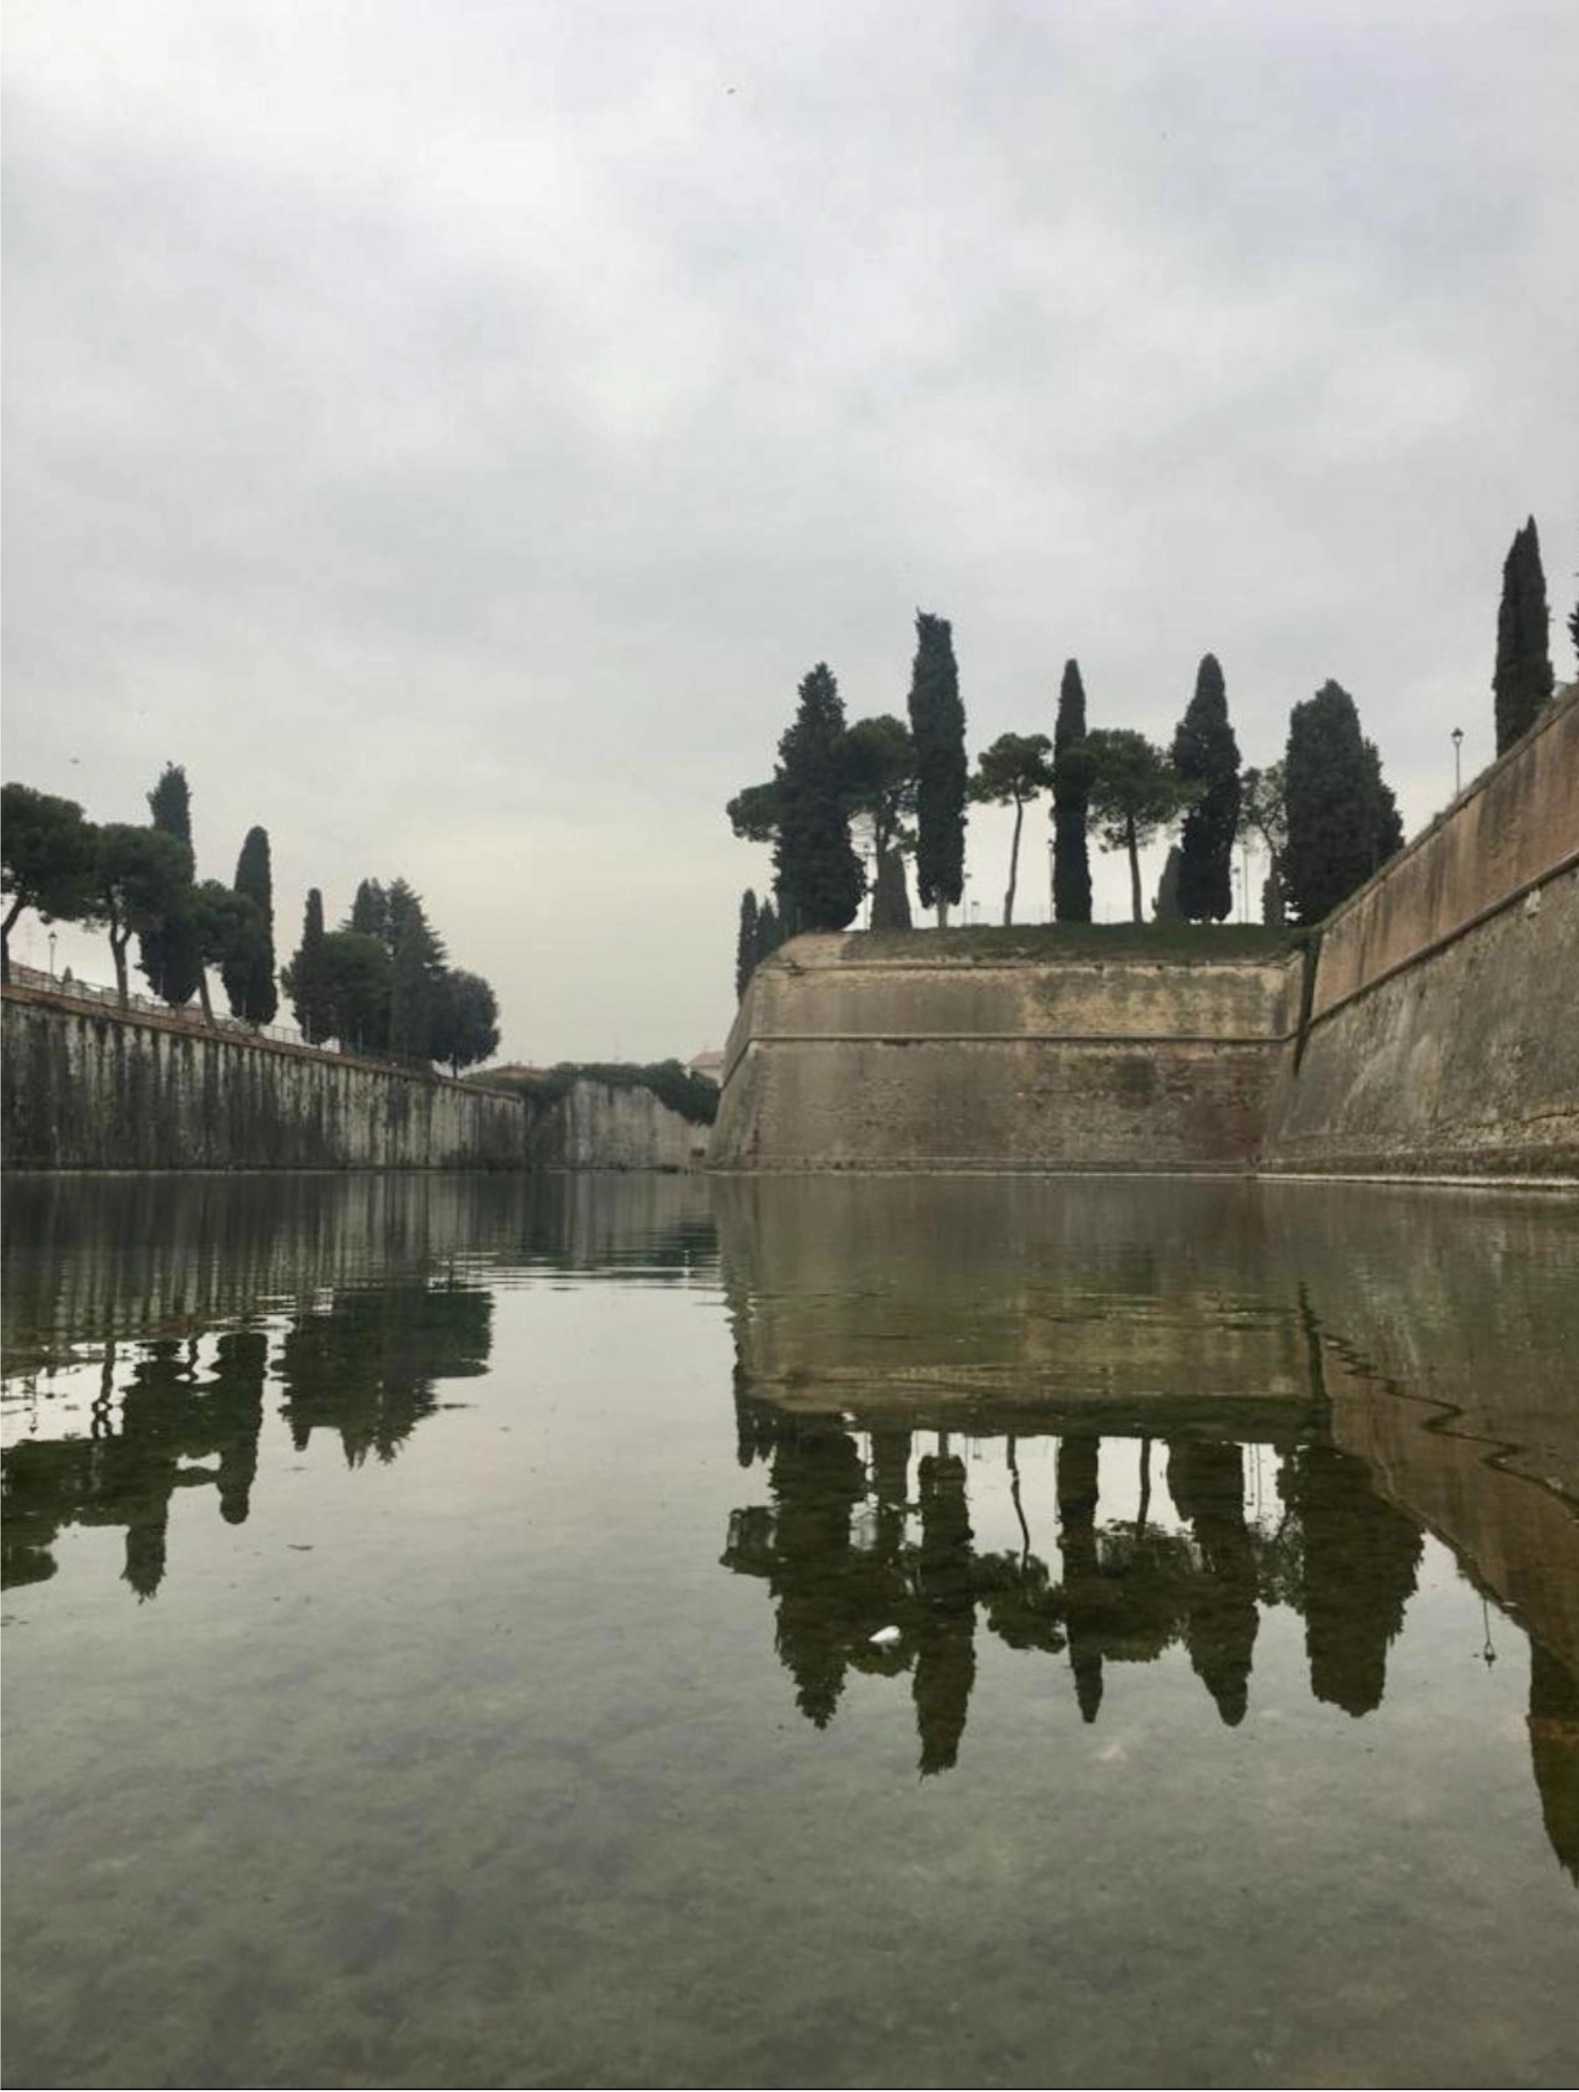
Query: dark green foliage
(226,930)
(770,932)
(466,1021)
(369,915)
(937,725)
(745,942)
(880,774)
(1012,772)
(413,993)
(306,979)
(1134,791)
(754,813)
(817,873)
(170,961)
(407,918)
(1343,821)
(357,974)
(395,918)
(891,894)
(46,860)
(249,979)
(1071,784)
(140,879)
(1165,908)
(1522,681)
(1206,755)
(692,1096)
(1387,823)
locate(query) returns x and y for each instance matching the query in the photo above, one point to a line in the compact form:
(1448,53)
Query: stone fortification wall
(1443,1036)
(88,1088)
(601,1125)
(915,1051)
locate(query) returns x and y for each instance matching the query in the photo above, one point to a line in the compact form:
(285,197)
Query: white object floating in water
(885,1637)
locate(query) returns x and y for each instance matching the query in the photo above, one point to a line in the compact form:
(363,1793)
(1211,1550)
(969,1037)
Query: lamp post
(52,955)
(1458,746)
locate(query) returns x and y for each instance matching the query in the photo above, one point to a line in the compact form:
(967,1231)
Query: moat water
(440,1615)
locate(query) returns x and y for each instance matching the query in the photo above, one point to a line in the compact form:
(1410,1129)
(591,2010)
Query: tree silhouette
(937,725)
(1206,757)
(1522,680)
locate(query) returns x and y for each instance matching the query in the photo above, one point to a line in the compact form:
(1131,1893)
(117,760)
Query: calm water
(439,1624)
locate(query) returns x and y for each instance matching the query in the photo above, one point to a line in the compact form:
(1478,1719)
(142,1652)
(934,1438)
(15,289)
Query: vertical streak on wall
(88,1088)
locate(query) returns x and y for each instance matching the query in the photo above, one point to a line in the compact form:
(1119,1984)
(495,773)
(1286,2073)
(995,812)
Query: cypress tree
(306,979)
(171,954)
(818,874)
(746,942)
(937,725)
(412,992)
(1071,787)
(369,915)
(249,978)
(1522,681)
(1165,908)
(1206,756)
(770,932)
(1343,821)
(891,894)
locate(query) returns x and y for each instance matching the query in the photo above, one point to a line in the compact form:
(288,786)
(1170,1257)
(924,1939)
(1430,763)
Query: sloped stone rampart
(1440,1035)
(930,1058)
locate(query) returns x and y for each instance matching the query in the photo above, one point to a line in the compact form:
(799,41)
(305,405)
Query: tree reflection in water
(366,1365)
(845,1549)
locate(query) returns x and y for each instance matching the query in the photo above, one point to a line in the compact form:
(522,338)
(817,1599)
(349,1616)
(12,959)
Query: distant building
(709,1064)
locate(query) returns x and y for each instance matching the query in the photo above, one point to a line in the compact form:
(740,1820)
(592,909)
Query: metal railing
(186,1013)
(190,1017)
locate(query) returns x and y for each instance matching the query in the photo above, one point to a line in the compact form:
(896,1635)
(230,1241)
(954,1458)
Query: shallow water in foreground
(439,1625)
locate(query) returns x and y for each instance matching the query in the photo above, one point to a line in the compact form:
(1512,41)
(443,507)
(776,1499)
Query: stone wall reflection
(1407,1361)
(354,1298)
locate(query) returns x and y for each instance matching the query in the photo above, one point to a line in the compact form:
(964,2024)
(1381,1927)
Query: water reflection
(1093,1424)
(884,1365)
(363,1365)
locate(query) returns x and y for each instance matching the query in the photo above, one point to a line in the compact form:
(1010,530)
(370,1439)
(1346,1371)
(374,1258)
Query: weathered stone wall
(1514,827)
(1443,1035)
(88,1088)
(917,1054)
(601,1125)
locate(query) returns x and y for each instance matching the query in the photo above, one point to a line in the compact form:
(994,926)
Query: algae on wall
(93,1089)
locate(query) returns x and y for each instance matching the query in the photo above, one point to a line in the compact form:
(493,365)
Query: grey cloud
(453,432)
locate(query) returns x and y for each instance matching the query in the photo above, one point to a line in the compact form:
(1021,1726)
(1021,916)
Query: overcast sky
(451,430)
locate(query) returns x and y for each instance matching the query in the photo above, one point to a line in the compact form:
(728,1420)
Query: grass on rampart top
(1054,941)
(692,1096)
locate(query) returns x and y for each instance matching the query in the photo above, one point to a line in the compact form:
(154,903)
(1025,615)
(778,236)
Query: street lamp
(1458,745)
(52,955)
